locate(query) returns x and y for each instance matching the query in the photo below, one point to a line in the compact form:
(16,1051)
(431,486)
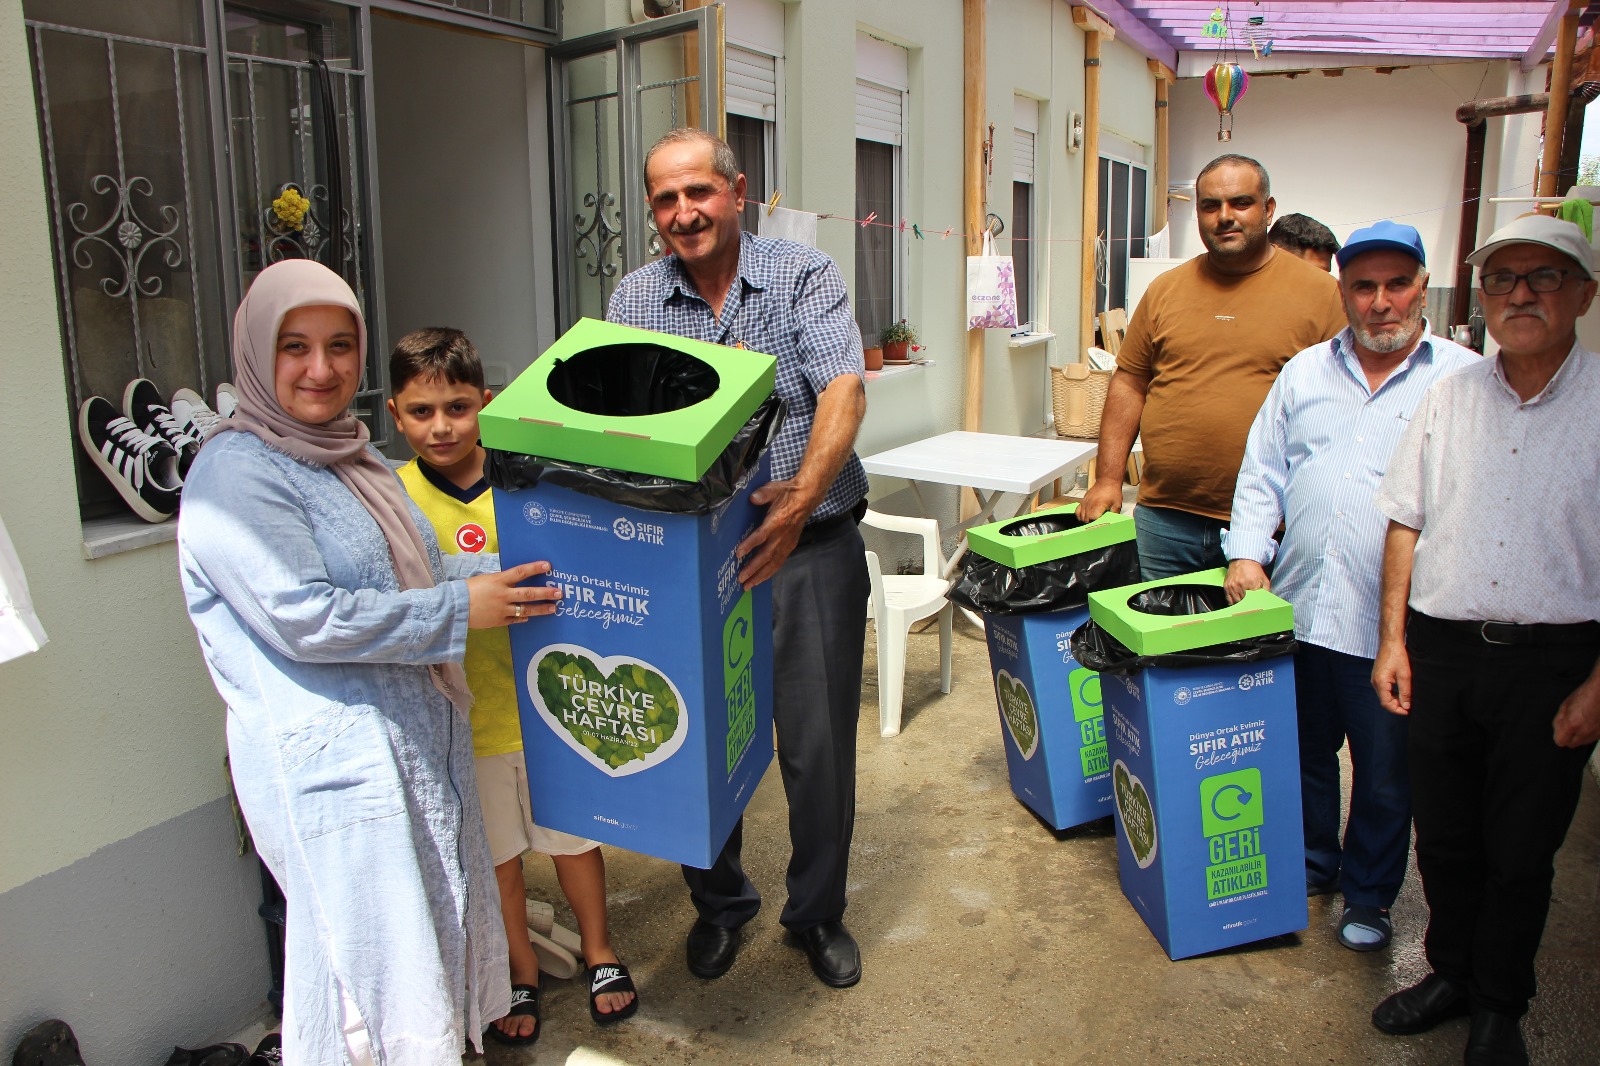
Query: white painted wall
(113,730)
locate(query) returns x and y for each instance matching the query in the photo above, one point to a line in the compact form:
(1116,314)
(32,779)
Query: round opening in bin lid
(630,380)
(1179,599)
(1040,526)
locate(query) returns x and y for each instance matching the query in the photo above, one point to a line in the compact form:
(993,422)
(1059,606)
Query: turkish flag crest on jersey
(471,538)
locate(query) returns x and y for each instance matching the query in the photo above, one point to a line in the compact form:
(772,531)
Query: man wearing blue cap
(1315,456)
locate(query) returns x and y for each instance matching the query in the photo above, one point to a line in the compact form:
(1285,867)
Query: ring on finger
(516,610)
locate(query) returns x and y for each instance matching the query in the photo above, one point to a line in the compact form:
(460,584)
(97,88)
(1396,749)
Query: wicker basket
(1078,395)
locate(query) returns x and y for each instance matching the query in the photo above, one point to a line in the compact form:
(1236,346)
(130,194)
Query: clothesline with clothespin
(921,232)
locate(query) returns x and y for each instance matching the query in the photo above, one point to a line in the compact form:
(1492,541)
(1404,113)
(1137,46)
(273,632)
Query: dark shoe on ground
(524,1004)
(1365,928)
(611,978)
(712,948)
(1320,888)
(1495,1040)
(141,467)
(1419,1008)
(142,403)
(835,958)
(49,1043)
(268,1053)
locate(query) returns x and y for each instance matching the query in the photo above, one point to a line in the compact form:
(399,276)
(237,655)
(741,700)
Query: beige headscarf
(340,444)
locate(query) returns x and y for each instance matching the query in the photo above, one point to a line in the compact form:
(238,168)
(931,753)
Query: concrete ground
(987,938)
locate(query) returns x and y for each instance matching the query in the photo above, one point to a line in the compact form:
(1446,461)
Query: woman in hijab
(334,632)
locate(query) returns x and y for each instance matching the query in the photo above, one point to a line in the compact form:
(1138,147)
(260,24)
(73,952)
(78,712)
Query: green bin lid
(680,444)
(1016,551)
(1257,615)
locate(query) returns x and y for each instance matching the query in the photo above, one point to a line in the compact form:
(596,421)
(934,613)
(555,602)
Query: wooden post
(1555,116)
(1095,28)
(1163,176)
(974,203)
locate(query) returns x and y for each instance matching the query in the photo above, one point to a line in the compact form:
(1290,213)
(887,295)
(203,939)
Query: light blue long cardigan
(354,773)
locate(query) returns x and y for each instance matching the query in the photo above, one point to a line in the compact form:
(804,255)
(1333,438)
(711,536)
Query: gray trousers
(819,612)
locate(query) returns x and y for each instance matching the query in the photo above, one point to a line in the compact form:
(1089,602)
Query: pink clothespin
(902,225)
(946,235)
(870,216)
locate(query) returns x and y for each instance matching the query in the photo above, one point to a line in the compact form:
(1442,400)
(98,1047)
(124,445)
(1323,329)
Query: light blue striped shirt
(1317,452)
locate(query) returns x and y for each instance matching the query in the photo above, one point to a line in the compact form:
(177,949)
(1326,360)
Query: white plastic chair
(898,600)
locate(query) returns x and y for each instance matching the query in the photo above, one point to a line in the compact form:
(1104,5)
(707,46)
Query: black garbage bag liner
(1057,584)
(508,471)
(630,380)
(1093,647)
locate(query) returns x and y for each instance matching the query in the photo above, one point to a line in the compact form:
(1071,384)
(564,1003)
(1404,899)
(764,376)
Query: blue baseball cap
(1383,236)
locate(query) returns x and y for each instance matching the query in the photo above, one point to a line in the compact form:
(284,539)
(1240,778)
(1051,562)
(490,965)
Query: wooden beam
(1089,20)
(1555,116)
(1091,186)
(974,205)
(1138,33)
(1163,157)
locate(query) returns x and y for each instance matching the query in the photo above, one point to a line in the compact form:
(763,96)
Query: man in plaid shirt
(788,301)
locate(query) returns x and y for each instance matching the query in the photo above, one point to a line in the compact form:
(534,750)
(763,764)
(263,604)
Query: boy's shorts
(508,814)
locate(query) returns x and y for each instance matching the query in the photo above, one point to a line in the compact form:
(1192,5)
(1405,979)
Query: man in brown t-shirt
(1204,346)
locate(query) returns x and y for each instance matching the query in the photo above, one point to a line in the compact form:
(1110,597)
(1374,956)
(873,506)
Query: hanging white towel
(20,631)
(797,226)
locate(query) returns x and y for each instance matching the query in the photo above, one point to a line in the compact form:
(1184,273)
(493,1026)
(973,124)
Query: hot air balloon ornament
(1225,84)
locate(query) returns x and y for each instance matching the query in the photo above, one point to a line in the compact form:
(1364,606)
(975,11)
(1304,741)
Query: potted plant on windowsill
(897,338)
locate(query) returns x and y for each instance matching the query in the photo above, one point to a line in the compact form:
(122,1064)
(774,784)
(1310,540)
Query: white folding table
(990,464)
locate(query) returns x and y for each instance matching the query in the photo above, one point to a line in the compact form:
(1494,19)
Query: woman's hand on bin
(1245,575)
(501,599)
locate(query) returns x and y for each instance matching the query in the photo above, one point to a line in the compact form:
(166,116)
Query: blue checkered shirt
(788,301)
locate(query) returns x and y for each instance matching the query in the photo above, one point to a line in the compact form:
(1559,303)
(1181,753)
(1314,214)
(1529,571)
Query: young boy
(437,383)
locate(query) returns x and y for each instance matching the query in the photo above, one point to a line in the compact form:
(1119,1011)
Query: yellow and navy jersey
(463,520)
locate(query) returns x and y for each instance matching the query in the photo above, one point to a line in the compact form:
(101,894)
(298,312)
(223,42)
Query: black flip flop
(524,1003)
(606,979)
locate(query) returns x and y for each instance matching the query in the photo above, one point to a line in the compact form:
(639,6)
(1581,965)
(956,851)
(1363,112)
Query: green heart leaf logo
(1138,817)
(1018,713)
(619,713)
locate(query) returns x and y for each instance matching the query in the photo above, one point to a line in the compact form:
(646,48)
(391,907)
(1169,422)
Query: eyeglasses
(1545,279)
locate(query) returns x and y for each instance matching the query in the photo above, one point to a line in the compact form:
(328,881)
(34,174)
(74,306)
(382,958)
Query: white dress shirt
(1506,494)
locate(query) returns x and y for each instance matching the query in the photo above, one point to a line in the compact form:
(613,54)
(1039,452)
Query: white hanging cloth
(20,631)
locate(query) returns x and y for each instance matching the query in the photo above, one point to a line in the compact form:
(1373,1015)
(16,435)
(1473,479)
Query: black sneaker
(143,468)
(142,403)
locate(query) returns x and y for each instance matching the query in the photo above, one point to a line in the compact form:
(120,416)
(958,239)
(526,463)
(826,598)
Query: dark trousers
(1333,692)
(819,612)
(1492,796)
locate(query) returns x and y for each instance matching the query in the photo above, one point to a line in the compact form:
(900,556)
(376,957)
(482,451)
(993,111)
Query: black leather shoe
(835,958)
(712,948)
(1417,1009)
(1496,1040)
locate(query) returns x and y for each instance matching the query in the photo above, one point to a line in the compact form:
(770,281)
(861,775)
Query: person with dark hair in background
(1304,236)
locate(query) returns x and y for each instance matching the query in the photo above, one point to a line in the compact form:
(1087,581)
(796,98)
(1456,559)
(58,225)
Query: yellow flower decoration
(290,208)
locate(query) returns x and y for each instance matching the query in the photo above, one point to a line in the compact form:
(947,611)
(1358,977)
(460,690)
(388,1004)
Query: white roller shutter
(880,113)
(1022,156)
(752,84)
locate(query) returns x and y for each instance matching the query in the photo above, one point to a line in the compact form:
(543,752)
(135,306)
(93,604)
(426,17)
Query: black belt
(1514,633)
(826,527)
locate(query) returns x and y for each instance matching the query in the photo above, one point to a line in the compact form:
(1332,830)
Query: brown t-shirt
(1211,346)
